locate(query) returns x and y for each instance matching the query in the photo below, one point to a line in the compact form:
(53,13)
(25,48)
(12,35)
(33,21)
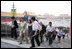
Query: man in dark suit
(14,27)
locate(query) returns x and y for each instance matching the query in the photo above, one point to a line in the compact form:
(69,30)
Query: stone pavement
(11,43)
(8,45)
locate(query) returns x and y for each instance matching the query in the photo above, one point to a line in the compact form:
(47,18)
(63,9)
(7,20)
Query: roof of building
(18,14)
(9,14)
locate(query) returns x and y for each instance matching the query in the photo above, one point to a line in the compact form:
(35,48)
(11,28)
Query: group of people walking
(35,31)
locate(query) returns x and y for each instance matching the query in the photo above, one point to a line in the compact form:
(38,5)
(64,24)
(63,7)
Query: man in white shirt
(35,32)
(49,32)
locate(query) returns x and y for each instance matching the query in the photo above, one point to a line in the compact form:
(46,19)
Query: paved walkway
(11,43)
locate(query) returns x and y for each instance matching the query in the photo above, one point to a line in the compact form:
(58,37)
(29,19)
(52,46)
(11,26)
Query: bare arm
(46,32)
(36,32)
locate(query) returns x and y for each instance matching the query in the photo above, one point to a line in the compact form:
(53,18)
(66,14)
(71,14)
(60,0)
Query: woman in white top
(35,32)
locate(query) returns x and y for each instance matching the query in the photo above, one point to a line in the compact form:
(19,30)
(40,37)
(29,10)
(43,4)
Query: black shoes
(32,46)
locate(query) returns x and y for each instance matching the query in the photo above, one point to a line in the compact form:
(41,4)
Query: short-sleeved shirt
(63,33)
(50,28)
(35,26)
(59,33)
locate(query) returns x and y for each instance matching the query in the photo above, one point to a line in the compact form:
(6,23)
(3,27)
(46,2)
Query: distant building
(6,16)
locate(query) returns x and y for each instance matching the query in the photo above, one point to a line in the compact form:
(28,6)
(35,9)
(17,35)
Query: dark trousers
(54,36)
(41,36)
(50,36)
(36,39)
(63,36)
(14,33)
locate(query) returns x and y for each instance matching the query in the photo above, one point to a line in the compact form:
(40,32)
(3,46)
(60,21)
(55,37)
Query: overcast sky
(39,7)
